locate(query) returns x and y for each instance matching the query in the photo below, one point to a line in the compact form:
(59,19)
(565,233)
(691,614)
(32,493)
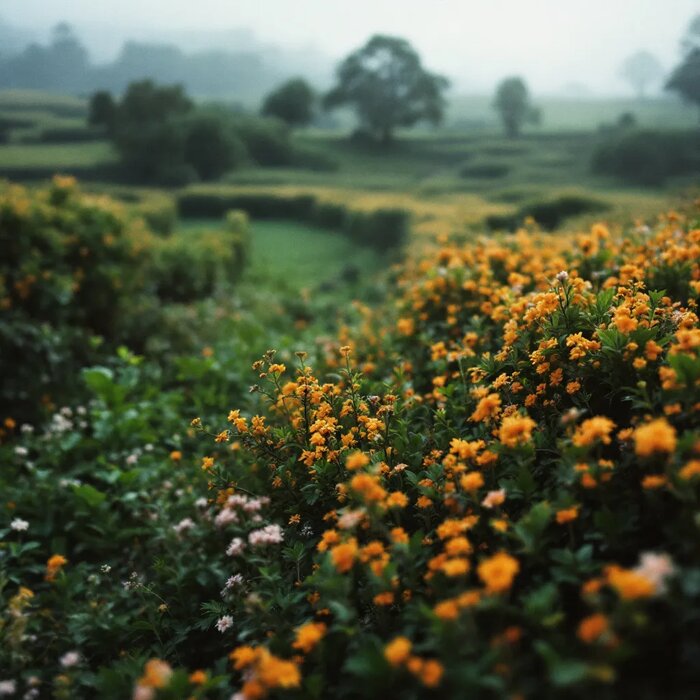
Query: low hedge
(382,228)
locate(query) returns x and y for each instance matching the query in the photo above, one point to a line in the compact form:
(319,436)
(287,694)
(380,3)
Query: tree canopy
(685,79)
(292,102)
(513,104)
(386,84)
(640,70)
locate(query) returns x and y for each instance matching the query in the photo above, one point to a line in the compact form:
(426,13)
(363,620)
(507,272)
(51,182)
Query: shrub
(189,266)
(485,170)
(648,157)
(381,228)
(548,213)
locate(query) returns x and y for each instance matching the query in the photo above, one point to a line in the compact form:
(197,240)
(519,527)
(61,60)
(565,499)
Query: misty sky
(475,42)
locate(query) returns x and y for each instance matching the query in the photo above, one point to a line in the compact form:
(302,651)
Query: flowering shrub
(503,501)
(487,488)
(78,270)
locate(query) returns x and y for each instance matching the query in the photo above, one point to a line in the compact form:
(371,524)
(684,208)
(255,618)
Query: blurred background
(466,115)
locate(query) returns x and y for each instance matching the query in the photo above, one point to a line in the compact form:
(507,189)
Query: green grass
(55,155)
(584,114)
(294,257)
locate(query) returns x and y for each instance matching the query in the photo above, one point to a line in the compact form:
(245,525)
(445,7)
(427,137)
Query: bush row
(382,228)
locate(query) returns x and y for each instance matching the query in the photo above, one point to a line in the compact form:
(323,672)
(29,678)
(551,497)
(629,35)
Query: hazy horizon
(551,43)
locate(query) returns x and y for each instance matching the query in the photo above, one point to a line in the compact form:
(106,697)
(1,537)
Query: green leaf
(92,496)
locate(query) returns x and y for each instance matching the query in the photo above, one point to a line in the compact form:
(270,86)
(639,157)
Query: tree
(102,110)
(292,102)
(211,146)
(691,39)
(149,130)
(388,87)
(513,103)
(640,70)
(685,79)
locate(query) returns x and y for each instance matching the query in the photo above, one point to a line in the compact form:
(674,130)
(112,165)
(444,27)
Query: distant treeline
(64,65)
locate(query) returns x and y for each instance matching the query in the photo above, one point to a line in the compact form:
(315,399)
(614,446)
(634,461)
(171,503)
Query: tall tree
(640,70)
(685,79)
(513,104)
(386,84)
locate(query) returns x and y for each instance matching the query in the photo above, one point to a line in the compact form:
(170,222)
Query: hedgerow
(487,487)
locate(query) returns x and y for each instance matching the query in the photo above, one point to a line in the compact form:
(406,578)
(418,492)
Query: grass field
(286,255)
(449,180)
(56,155)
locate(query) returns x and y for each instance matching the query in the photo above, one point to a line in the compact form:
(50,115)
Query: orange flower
(489,407)
(343,555)
(596,428)
(497,572)
(567,515)
(629,584)
(54,565)
(431,673)
(397,651)
(308,636)
(516,430)
(657,436)
(356,460)
(593,627)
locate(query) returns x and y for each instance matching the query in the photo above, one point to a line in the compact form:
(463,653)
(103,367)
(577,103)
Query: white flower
(26,428)
(8,687)
(105,568)
(70,659)
(236,547)
(270,534)
(656,568)
(201,502)
(223,623)
(132,459)
(21,451)
(184,524)
(235,580)
(225,517)
(19,525)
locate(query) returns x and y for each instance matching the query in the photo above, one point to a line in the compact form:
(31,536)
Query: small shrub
(648,157)
(485,170)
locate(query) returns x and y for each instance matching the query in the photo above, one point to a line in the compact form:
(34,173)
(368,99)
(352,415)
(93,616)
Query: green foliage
(292,102)
(648,157)
(512,102)
(685,79)
(386,84)
(381,228)
(102,111)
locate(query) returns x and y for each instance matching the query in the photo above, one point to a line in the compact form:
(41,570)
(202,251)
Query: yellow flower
(657,436)
(497,572)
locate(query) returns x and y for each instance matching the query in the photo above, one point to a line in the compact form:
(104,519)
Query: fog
(554,44)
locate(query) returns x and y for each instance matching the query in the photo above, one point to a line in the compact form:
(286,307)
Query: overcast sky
(475,42)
